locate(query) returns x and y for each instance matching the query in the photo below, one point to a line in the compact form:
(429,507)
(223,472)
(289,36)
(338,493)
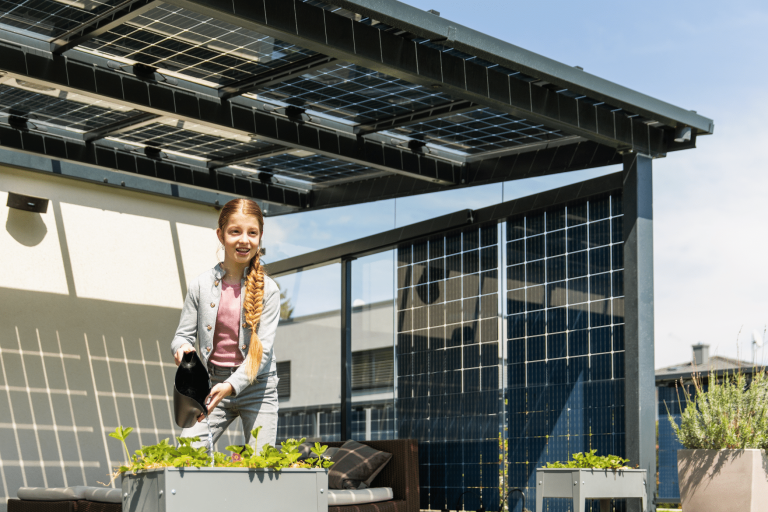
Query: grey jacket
(198,321)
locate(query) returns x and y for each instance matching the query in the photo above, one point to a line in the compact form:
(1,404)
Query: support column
(346,348)
(639,384)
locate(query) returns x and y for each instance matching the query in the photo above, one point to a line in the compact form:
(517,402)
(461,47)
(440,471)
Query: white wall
(90,296)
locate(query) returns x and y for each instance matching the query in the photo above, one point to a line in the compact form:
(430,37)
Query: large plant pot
(723,480)
(191,489)
(593,484)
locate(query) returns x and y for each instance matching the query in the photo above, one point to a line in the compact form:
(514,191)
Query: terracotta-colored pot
(723,480)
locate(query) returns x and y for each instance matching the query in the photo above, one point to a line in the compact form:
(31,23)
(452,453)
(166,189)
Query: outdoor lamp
(27,203)
(682,134)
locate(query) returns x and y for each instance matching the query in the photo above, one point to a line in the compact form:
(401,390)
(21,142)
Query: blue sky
(710,229)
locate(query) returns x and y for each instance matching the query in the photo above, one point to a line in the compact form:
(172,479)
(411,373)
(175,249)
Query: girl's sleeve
(186,332)
(270,317)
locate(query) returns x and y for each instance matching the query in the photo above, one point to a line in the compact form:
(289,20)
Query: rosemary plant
(731,413)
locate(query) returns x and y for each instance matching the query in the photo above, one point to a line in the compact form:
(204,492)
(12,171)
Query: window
(373,369)
(284,386)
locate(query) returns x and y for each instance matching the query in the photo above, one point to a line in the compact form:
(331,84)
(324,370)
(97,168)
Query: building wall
(90,297)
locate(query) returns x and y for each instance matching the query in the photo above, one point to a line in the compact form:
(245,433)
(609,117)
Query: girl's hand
(218,392)
(183,350)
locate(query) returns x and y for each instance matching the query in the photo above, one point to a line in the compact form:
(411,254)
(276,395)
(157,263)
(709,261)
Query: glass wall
(308,350)
(373,369)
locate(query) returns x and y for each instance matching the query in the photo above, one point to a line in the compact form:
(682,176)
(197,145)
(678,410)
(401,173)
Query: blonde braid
(253,305)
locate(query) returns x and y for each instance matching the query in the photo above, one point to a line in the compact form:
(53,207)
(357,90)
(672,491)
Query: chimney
(700,354)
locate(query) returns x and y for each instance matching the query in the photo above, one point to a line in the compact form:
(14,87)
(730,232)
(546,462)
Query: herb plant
(731,413)
(164,454)
(590,460)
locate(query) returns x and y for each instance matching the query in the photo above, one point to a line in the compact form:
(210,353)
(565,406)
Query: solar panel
(313,168)
(48,19)
(70,111)
(479,130)
(191,139)
(354,93)
(196,46)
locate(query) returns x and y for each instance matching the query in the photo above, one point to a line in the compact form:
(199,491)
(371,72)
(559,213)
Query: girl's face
(241,238)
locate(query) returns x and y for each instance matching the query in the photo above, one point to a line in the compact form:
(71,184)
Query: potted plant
(724,428)
(590,476)
(167,478)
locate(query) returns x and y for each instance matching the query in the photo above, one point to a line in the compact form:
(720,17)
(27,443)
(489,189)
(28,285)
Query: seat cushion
(103,494)
(355,464)
(52,493)
(338,497)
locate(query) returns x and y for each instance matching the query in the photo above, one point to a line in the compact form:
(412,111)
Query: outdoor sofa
(401,474)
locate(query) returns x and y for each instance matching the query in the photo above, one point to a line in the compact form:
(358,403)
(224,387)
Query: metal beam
(332,34)
(418,116)
(346,349)
(249,156)
(426,25)
(639,375)
(240,115)
(541,162)
(113,158)
(275,76)
(118,127)
(408,234)
(105,22)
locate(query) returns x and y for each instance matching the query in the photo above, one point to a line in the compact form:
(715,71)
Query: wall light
(27,203)
(683,134)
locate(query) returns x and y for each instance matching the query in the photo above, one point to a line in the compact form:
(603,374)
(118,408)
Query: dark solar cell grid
(565,338)
(354,93)
(479,130)
(195,45)
(56,111)
(189,142)
(448,365)
(316,168)
(48,19)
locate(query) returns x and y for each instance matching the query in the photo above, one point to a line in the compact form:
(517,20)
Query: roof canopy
(307,104)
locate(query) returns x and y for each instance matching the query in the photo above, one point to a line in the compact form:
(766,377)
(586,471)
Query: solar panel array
(182,43)
(565,332)
(448,371)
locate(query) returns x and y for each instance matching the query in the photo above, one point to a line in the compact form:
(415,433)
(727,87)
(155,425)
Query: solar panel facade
(565,338)
(448,365)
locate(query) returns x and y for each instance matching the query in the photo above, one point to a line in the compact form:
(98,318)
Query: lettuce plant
(164,454)
(591,460)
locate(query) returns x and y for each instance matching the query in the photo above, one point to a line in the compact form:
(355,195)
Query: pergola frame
(600,121)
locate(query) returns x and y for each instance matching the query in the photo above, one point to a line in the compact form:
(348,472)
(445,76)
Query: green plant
(590,460)
(731,413)
(164,454)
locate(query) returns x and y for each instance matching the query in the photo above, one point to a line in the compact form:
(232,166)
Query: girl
(233,311)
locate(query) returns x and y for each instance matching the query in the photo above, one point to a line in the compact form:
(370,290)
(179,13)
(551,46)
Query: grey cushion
(355,464)
(103,494)
(52,493)
(337,497)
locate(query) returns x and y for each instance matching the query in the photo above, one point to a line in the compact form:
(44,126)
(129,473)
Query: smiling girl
(233,311)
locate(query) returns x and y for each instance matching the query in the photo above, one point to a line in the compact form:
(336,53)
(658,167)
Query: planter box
(189,489)
(595,484)
(723,480)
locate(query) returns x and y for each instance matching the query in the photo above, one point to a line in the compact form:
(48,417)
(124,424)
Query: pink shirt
(227,334)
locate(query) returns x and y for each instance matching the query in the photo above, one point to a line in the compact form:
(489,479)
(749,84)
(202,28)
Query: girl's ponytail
(253,305)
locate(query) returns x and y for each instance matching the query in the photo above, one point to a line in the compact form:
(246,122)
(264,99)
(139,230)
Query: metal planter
(593,484)
(187,489)
(723,480)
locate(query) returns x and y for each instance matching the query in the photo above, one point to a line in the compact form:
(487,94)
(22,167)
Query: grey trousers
(257,407)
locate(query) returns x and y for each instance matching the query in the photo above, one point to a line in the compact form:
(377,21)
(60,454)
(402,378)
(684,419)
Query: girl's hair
(254,288)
